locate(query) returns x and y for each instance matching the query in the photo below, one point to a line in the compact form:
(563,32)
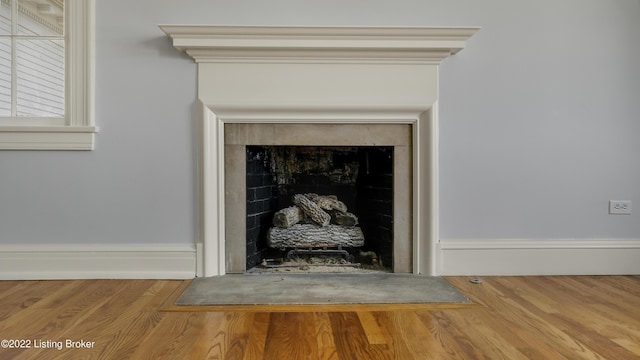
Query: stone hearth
(318,86)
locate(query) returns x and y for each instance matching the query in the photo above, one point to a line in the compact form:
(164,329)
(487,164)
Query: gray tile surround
(239,135)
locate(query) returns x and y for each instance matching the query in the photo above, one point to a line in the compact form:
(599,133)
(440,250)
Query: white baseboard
(48,262)
(538,257)
(455,257)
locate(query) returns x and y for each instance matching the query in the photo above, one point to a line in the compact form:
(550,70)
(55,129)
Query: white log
(344,218)
(312,210)
(327,202)
(288,216)
(314,236)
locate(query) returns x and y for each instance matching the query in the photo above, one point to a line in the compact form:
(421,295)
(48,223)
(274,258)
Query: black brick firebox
(361,177)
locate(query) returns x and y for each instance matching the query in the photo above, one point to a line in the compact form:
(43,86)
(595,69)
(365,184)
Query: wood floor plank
(318,307)
(628,284)
(601,292)
(490,341)
(211,342)
(238,329)
(545,326)
(460,346)
(291,335)
(546,317)
(597,342)
(371,328)
(172,338)
(57,311)
(234,335)
(351,339)
(324,337)
(257,336)
(419,335)
(129,320)
(632,346)
(75,308)
(98,323)
(521,313)
(24,294)
(397,344)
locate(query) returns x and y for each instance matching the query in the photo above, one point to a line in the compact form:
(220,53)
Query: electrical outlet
(620,207)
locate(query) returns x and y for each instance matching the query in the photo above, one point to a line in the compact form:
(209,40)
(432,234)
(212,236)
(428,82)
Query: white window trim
(76,131)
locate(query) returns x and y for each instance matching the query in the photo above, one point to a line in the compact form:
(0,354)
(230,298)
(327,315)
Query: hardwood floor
(564,317)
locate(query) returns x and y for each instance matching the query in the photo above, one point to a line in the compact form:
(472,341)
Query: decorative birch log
(327,202)
(288,217)
(312,210)
(312,196)
(344,218)
(314,236)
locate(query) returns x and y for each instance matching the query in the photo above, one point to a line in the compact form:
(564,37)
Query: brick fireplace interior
(359,176)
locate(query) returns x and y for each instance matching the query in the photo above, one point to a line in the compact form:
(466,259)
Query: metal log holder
(330,252)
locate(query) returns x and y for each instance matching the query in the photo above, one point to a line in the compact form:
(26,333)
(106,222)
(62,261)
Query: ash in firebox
(322,264)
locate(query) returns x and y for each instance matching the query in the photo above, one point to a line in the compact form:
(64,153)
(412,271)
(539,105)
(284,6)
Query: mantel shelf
(211,43)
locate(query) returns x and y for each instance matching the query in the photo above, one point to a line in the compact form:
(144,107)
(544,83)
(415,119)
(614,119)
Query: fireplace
(322,87)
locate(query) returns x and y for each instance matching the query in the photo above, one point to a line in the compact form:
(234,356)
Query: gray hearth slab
(275,289)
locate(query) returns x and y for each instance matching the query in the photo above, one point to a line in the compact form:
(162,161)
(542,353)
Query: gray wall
(538,122)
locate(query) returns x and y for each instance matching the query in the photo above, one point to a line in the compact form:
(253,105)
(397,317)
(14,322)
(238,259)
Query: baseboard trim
(70,261)
(538,256)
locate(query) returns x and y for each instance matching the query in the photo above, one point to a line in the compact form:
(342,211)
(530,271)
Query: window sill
(47,137)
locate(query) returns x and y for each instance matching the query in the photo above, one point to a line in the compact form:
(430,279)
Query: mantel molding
(212,43)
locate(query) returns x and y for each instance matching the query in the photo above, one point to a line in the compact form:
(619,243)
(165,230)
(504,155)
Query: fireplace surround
(238,136)
(317,86)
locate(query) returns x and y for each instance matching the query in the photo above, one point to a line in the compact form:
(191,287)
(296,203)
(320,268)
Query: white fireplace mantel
(284,75)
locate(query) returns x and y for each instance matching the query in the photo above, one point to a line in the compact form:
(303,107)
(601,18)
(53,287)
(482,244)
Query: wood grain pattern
(563,317)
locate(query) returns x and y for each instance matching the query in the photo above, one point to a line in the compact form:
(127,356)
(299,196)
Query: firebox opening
(361,177)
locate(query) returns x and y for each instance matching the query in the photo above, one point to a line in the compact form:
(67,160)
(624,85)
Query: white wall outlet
(620,207)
